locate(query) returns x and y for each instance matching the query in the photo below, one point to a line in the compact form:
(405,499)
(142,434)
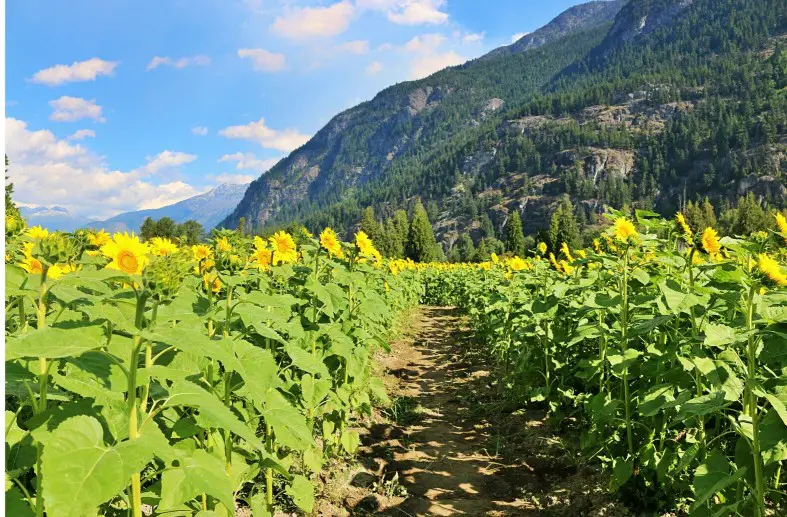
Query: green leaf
(259,506)
(350,441)
(289,425)
(302,492)
(56,342)
(195,472)
(81,472)
(773,438)
(719,335)
(16,505)
(187,394)
(305,361)
(622,471)
(712,477)
(703,405)
(258,369)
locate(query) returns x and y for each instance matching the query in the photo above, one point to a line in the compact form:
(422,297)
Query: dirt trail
(452,459)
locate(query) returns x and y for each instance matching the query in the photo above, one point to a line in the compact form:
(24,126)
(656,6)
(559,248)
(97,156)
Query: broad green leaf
(350,441)
(302,492)
(56,342)
(712,477)
(82,472)
(719,336)
(194,473)
(773,438)
(306,361)
(622,471)
(16,505)
(289,425)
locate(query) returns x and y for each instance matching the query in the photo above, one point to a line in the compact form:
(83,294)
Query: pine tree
(563,227)
(421,244)
(10,208)
(487,228)
(466,248)
(749,216)
(369,224)
(515,239)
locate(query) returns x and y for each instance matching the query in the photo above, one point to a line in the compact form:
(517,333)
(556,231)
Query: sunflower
(581,254)
(330,242)
(553,260)
(771,269)
(201,252)
(162,247)
(710,241)
(597,246)
(364,243)
(127,253)
(542,247)
(517,264)
(566,252)
(223,244)
(37,232)
(99,238)
(58,270)
(567,268)
(495,258)
(283,246)
(32,265)
(215,285)
(781,223)
(624,229)
(684,227)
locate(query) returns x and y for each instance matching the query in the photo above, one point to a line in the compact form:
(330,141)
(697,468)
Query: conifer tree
(421,245)
(515,239)
(563,227)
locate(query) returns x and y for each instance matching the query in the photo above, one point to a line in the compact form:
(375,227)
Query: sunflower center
(127,261)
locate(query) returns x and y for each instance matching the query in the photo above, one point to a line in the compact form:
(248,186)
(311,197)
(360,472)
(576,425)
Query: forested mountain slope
(672,100)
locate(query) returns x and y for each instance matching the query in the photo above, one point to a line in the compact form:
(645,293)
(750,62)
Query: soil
(467,451)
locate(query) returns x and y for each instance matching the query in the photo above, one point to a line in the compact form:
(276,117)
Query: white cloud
(263,60)
(375,67)
(429,56)
(182,62)
(353,47)
(234,179)
(283,140)
(81,134)
(417,12)
(50,171)
(430,63)
(314,22)
(250,162)
(76,72)
(70,109)
(473,37)
(166,160)
(200,130)
(519,35)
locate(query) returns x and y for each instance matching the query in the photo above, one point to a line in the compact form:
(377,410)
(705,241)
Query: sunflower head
(223,245)
(330,241)
(710,242)
(283,247)
(517,264)
(495,259)
(163,277)
(624,229)
(162,247)
(364,243)
(201,252)
(126,253)
(32,265)
(56,247)
(542,247)
(566,252)
(13,224)
(684,227)
(98,238)
(37,232)
(771,270)
(213,284)
(781,224)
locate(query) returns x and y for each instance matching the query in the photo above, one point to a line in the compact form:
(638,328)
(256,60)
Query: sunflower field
(144,378)
(663,347)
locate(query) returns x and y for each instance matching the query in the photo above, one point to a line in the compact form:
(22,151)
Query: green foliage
(563,227)
(186,233)
(515,239)
(421,245)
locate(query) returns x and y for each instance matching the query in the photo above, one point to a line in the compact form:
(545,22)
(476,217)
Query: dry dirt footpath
(447,459)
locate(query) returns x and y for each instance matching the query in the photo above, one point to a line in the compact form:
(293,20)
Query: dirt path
(455,455)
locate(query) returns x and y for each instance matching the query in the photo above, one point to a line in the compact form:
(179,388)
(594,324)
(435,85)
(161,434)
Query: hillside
(52,217)
(208,209)
(669,101)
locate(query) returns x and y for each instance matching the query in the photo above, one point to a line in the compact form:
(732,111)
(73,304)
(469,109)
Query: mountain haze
(208,209)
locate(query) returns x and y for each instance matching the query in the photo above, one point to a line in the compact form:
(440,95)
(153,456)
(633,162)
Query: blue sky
(114,106)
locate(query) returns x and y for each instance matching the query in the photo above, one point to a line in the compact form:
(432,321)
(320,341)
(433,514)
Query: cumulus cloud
(249,161)
(166,160)
(429,56)
(417,12)
(200,130)
(51,171)
(70,109)
(179,63)
(519,35)
(314,22)
(81,134)
(375,67)
(263,60)
(352,47)
(283,140)
(77,72)
(473,37)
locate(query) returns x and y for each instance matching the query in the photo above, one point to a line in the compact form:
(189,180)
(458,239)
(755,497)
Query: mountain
(650,103)
(53,218)
(208,209)
(578,18)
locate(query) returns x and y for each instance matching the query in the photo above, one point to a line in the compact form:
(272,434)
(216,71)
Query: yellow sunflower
(330,241)
(162,246)
(517,264)
(283,246)
(771,269)
(781,223)
(542,247)
(58,270)
(37,232)
(624,229)
(262,258)
(32,265)
(567,268)
(99,238)
(215,285)
(127,253)
(201,252)
(223,244)
(566,252)
(710,241)
(684,227)
(495,258)
(364,243)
